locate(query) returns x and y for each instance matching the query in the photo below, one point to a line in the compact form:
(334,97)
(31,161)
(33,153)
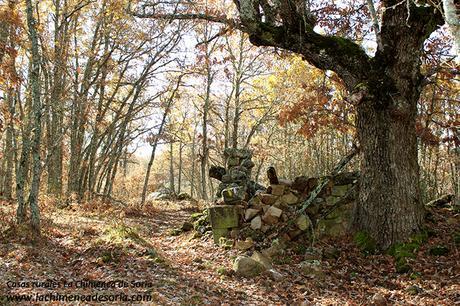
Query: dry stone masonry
(252,216)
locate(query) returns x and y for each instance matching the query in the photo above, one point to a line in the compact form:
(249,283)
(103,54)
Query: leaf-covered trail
(100,244)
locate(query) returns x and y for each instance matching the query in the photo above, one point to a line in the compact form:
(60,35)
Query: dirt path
(136,247)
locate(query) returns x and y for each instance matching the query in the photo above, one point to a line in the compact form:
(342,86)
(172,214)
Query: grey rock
(247,267)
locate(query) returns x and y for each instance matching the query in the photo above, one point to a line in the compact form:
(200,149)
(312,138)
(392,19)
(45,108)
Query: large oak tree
(385,89)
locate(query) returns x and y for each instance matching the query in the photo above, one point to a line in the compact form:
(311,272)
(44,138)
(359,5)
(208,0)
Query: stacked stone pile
(263,222)
(272,213)
(270,224)
(275,212)
(235,178)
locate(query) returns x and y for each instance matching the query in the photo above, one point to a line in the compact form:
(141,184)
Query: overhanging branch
(292,33)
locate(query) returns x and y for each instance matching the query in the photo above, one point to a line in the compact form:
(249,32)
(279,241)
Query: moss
(198,215)
(225,243)
(300,249)
(457,238)
(269,34)
(415,275)
(420,238)
(121,232)
(344,47)
(222,271)
(402,265)
(200,220)
(402,252)
(439,250)
(175,232)
(282,260)
(354,275)
(365,242)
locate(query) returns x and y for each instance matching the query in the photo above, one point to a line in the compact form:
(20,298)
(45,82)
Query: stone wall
(274,212)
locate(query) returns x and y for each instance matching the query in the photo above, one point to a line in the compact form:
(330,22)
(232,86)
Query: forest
(260,152)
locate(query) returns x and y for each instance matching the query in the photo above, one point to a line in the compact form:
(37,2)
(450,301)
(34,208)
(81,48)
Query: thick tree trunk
(389,207)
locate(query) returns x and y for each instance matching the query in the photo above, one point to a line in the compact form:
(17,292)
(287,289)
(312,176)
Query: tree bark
(55,169)
(7,182)
(171,167)
(36,107)
(179,178)
(389,205)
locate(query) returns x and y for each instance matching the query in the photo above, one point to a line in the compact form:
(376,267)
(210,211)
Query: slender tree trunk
(7,184)
(55,168)
(179,178)
(226,125)
(193,155)
(155,142)
(171,167)
(37,114)
(204,144)
(237,113)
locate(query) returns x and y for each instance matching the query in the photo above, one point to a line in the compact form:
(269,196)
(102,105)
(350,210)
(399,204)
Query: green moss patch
(439,250)
(403,252)
(120,233)
(457,238)
(365,242)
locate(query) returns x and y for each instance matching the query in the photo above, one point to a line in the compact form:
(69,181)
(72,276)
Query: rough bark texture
(55,137)
(36,105)
(6,187)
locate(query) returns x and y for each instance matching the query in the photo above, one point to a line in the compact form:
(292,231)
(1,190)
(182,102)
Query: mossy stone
(223,218)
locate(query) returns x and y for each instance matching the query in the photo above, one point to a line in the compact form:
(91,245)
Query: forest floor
(137,248)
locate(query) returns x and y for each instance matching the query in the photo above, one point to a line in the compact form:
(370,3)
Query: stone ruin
(248,216)
(235,178)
